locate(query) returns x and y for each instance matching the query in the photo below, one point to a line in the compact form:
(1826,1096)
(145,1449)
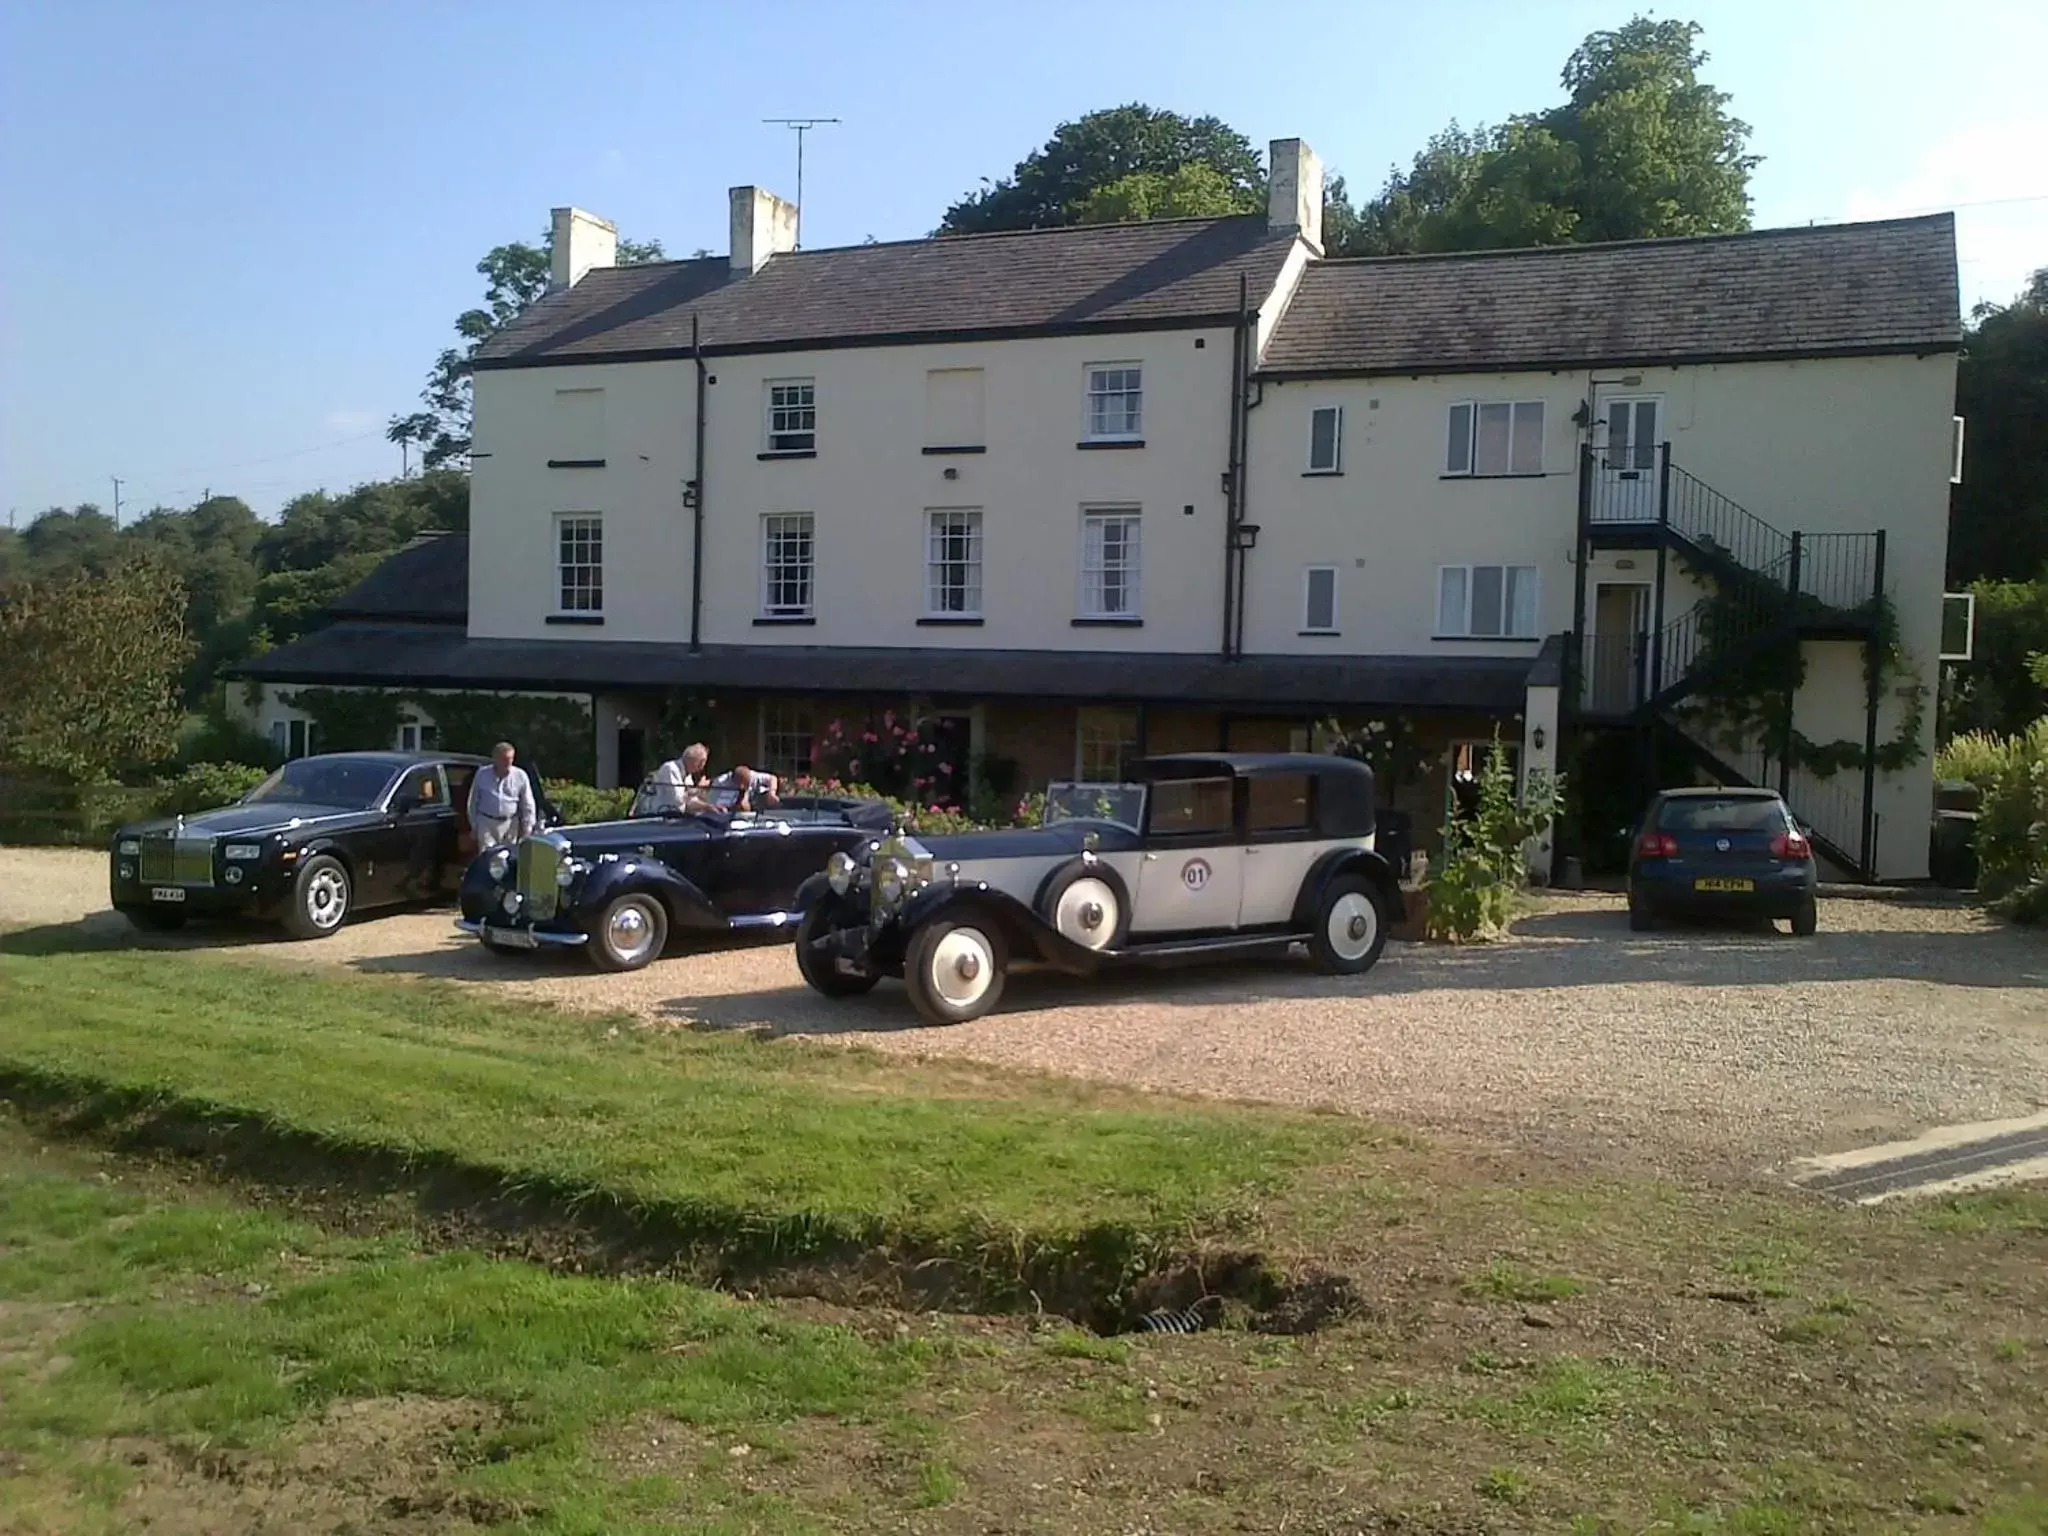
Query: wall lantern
(1537,738)
(1583,416)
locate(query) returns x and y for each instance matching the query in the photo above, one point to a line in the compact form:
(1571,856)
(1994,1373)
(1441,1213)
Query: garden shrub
(2012,820)
(1975,757)
(203,786)
(583,803)
(1482,867)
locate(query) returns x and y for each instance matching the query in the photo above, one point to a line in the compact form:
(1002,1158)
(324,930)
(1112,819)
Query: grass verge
(735,1153)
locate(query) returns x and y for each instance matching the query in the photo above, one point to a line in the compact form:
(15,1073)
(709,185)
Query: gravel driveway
(1677,1051)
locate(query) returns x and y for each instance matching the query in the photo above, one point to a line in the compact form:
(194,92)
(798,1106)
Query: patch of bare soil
(375,1464)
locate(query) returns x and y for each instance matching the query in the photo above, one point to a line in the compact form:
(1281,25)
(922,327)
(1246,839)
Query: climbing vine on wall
(1747,700)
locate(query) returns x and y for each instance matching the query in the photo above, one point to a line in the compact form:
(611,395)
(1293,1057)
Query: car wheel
(1806,919)
(1351,928)
(954,971)
(1640,918)
(321,894)
(632,930)
(822,971)
(153,919)
(1085,906)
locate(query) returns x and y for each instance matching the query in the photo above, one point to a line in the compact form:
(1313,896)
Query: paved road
(1678,1051)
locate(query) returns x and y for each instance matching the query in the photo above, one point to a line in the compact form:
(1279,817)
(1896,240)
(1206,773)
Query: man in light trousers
(501,808)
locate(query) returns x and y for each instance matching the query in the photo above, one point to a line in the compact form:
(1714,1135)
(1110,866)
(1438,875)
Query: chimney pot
(581,241)
(763,225)
(1294,195)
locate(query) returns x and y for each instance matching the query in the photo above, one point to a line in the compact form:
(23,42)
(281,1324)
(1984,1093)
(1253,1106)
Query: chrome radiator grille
(178,860)
(539,859)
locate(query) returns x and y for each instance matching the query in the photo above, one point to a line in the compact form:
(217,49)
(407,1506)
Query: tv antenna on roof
(800,126)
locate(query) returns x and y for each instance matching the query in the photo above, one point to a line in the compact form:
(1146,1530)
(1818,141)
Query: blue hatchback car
(1721,852)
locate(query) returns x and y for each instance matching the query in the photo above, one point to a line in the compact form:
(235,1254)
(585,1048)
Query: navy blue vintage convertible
(620,890)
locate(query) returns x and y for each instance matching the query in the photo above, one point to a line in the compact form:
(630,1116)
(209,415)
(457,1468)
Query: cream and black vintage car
(1195,858)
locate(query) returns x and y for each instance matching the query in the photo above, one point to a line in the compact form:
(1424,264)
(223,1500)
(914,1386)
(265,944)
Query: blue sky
(236,234)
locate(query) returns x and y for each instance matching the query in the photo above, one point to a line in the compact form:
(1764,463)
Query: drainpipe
(1232,475)
(1873,660)
(694,494)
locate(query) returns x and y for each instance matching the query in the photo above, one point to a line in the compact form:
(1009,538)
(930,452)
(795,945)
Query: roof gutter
(1424,370)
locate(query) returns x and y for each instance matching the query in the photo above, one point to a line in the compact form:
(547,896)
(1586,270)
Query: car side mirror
(404,804)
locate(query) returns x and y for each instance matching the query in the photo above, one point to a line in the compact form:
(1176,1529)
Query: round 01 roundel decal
(1195,874)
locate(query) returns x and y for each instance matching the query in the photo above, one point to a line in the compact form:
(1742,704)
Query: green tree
(514,276)
(1641,147)
(83,538)
(1056,184)
(90,668)
(1999,525)
(1195,191)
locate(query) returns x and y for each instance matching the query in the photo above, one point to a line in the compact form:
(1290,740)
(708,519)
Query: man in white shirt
(501,808)
(675,780)
(756,790)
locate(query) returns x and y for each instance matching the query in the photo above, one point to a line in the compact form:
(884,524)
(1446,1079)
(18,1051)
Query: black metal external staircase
(1773,589)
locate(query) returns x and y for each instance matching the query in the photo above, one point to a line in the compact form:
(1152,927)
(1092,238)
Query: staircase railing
(1832,809)
(1699,513)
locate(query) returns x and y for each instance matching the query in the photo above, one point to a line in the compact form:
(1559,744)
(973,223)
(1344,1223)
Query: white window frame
(586,596)
(1967,601)
(776,528)
(1130,417)
(783,428)
(1308,624)
(294,730)
(1955,451)
(783,722)
(938,566)
(418,736)
(1103,733)
(1336,464)
(1469,439)
(1437,628)
(1095,563)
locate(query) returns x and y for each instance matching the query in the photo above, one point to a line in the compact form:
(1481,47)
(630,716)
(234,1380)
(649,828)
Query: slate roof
(364,654)
(1825,290)
(1106,276)
(425,582)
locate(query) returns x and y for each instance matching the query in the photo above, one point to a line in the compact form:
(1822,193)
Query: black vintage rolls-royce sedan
(618,890)
(320,838)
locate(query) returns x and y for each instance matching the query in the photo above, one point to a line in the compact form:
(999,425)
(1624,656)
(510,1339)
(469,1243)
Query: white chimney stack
(763,225)
(581,241)
(1294,191)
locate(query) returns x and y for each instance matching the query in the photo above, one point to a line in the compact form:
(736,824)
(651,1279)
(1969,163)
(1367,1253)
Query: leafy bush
(1975,756)
(203,786)
(581,803)
(54,813)
(894,755)
(2012,821)
(1482,867)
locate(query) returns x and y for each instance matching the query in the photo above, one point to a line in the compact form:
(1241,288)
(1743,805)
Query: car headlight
(129,846)
(500,865)
(242,852)
(892,879)
(570,872)
(839,872)
(127,871)
(510,903)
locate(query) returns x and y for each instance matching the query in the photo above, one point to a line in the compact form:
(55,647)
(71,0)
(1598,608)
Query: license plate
(1724,885)
(513,938)
(166,893)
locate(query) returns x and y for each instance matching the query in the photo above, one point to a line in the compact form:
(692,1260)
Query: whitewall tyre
(954,970)
(1350,927)
(631,931)
(321,896)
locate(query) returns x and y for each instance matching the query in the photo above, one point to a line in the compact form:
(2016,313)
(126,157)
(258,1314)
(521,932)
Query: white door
(1191,876)
(1621,623)
(1626,459)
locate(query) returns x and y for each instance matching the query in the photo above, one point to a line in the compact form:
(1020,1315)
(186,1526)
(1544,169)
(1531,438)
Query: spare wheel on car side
(1086,903)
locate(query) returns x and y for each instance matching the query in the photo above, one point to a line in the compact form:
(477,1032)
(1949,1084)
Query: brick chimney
(763,225)
(1294,191)
(581,241)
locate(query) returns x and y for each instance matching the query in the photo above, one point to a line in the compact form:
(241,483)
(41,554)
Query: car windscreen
(1123,804)
(351,781)
(1709,813)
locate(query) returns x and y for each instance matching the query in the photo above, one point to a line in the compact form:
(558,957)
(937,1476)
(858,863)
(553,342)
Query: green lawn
(755,1148)
(1534,1350)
